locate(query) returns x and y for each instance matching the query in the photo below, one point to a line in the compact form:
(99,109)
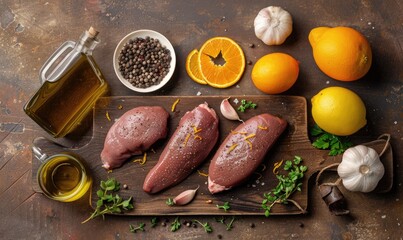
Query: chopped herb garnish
(140,227)
(206,226)
(226,206)
(109,203)
(245,105)
(175,225)
(169,202)
(325,140)
(154,222)
(287,185)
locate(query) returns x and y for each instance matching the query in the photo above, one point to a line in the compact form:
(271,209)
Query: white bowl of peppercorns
(144,61)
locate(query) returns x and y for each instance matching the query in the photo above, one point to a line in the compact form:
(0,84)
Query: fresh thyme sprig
(109,203)
(134,229)
(287,185)
(206,226)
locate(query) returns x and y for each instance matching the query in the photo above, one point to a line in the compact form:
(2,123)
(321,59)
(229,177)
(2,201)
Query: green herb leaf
(109,203)
(169,202)
(246,105)
(134,229)
(336,144)
(154,222)
(287,185)
(175,225)
(225,207)
(206,226)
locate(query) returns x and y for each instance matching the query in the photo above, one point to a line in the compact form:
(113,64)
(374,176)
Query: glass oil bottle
(70,89)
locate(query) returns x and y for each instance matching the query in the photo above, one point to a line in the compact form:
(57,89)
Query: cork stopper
(92,32)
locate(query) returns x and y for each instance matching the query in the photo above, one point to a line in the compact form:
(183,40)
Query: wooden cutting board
(245,199)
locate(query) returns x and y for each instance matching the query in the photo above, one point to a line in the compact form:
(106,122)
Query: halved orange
(227,74)
(193,67)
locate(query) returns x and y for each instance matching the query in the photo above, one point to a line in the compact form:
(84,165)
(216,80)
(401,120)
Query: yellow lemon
(338,111)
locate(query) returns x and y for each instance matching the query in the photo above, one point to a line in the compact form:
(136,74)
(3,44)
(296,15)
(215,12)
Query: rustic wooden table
(32,30)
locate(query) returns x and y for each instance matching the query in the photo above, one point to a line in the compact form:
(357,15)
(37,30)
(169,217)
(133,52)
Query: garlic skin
(273,25)
(228,111)
(360,169)
(185,197)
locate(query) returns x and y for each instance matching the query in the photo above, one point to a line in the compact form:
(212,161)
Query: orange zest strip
(232,147)
(143,160)
(235,132)
(186,139)
(250,136)
(174,105)
(262,127)
(107,116)
(202,173)
(120,107)
(195,129)
(109,171)
(276,166)
(198,137)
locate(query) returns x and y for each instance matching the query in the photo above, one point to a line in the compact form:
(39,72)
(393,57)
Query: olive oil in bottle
(64,177)
(69,92)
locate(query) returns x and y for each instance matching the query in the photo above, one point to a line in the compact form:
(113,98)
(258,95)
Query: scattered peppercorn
(144,62)
(252,225)
(125,186)
(249,62)
(251,45)
(219,236)
(301,225)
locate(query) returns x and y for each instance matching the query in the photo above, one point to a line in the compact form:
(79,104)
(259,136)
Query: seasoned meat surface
(242,151)
(133,133)
(192,141)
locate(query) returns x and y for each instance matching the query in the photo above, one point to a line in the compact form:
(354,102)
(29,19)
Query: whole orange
(275,73)
(341,53)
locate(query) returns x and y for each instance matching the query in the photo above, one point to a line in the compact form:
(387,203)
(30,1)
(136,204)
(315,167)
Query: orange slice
(227,74)
(193,67)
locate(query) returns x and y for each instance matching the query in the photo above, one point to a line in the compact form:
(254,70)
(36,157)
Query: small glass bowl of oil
(64,177)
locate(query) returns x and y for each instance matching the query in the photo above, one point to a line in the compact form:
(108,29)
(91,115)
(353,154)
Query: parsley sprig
(108,202)
(325,140)
(245,105)
(287,185)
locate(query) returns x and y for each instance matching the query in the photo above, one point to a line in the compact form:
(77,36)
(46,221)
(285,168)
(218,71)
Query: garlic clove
(185,197)
(228,111)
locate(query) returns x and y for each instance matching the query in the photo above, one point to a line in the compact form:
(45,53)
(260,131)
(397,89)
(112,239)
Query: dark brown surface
(245,199)
(31,31)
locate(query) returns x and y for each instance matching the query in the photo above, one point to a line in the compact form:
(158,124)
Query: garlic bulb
(273,25)
(360,169)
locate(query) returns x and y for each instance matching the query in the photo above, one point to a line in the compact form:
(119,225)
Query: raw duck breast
(190,144)
(134,133)
(243,151)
